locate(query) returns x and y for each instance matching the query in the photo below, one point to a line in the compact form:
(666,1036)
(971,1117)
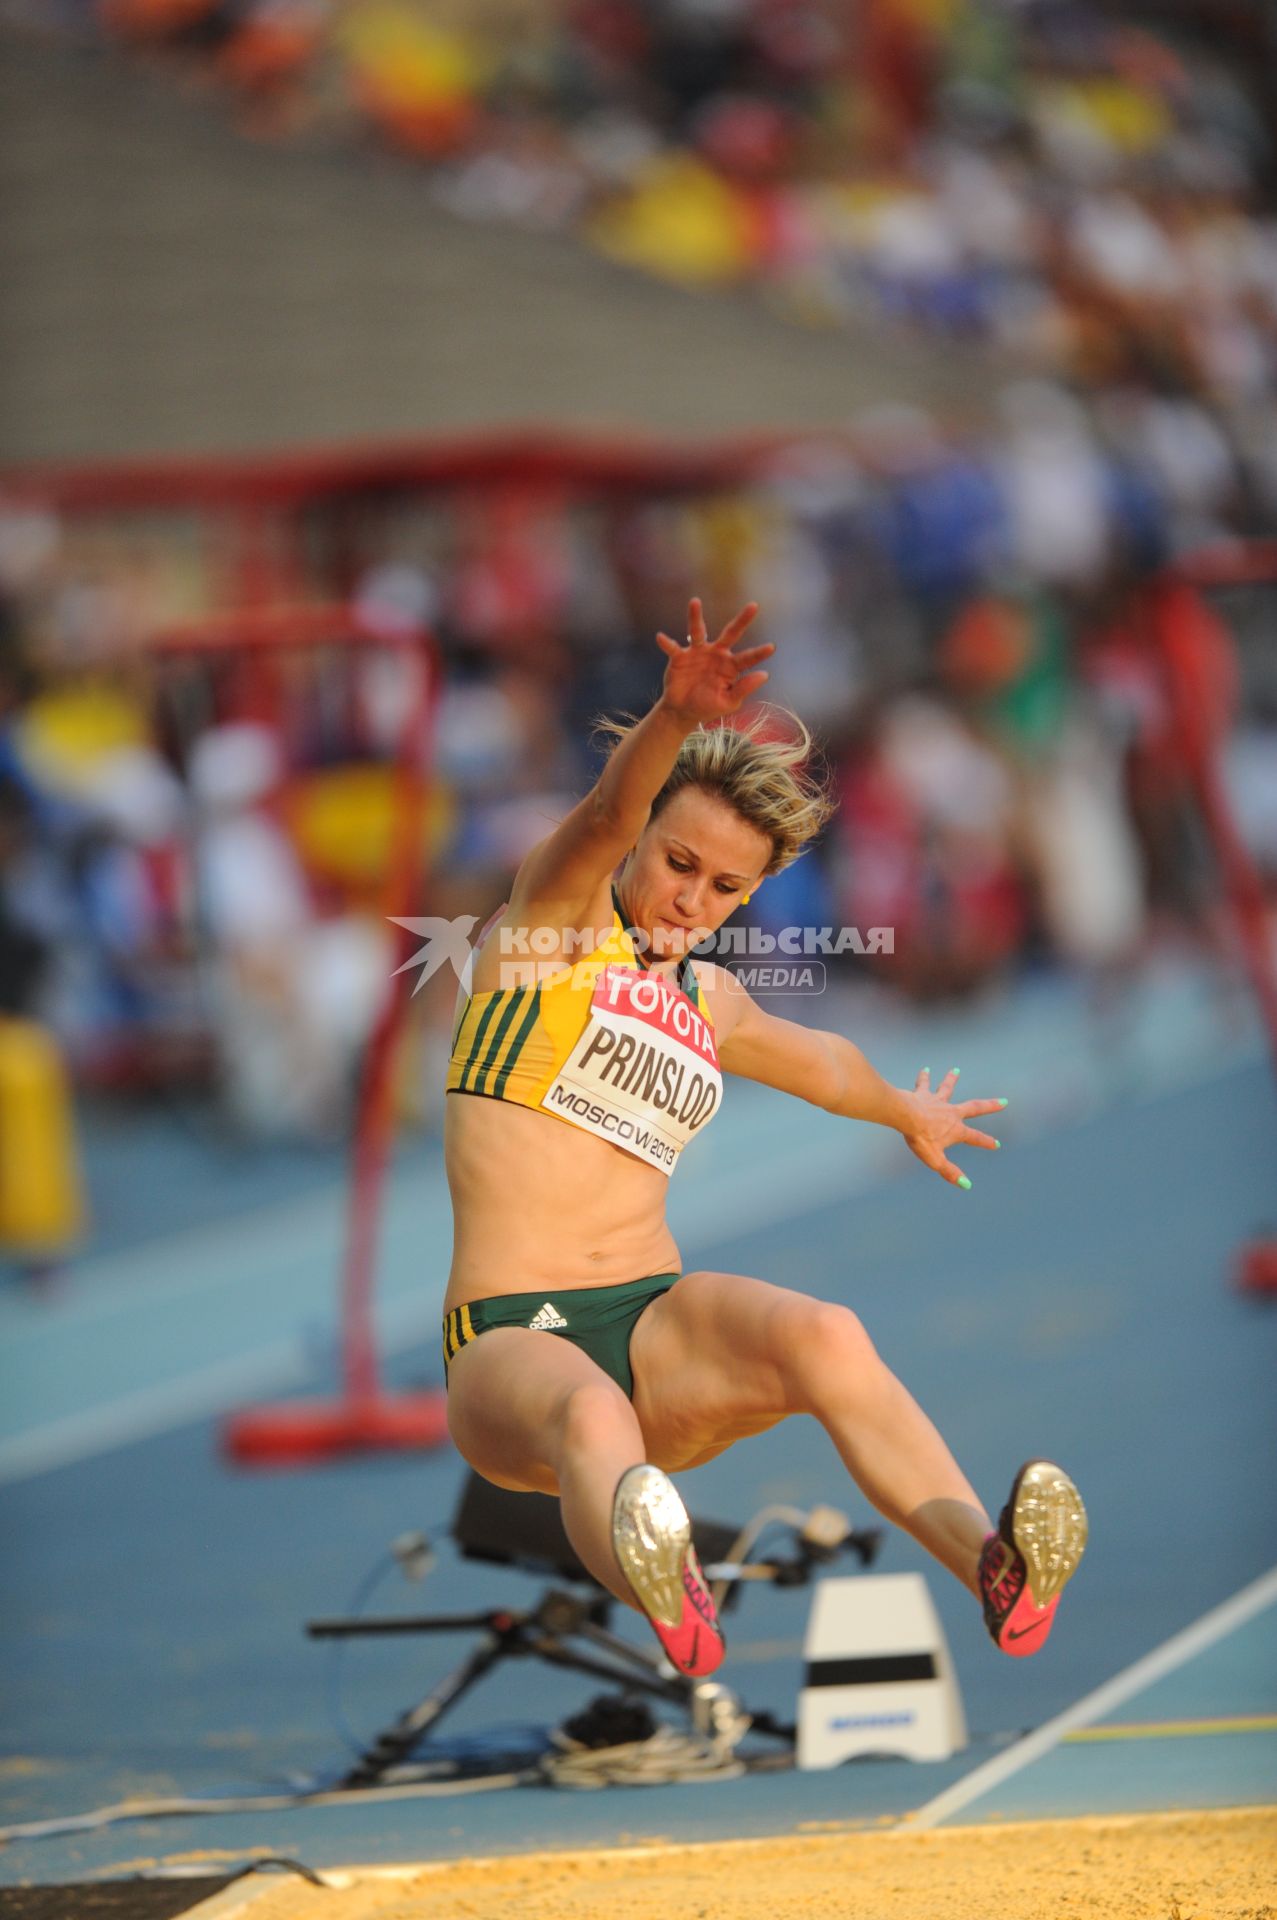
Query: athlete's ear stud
(745,899)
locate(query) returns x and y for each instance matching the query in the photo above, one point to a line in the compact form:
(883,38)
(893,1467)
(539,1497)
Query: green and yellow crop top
(605,1044)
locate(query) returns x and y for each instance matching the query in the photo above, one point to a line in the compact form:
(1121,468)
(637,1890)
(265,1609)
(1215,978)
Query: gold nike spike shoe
(652,1538)
(1024,1566)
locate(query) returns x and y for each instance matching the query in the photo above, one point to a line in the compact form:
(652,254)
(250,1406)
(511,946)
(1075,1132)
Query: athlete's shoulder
(725,998)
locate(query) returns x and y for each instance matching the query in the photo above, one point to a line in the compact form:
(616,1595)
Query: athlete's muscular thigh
(710,1360)
(506,1391)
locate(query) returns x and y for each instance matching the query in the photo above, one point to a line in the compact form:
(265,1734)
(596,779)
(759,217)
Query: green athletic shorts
(599,1320)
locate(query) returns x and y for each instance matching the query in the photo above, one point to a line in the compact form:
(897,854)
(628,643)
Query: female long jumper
(581,1360)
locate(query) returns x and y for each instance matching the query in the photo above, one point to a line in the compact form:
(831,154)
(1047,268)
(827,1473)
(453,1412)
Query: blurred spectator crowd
(193,852)
(1089,195)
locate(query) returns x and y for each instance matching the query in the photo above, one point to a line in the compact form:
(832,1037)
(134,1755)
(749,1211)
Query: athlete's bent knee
(827,1351)
(589,1416)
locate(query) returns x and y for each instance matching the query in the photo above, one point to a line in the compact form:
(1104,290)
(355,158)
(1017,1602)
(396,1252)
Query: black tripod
(522,1529)
(544,1632)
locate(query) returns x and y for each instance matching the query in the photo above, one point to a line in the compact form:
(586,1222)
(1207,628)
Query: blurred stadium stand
(1049,187)
(175,287)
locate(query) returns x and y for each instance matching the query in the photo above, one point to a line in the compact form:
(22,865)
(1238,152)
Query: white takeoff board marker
(878,1678)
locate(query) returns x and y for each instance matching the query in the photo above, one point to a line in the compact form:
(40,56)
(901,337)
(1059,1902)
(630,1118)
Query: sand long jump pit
(1219,1865)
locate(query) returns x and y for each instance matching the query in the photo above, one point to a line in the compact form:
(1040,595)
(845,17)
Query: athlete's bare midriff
(539,1203)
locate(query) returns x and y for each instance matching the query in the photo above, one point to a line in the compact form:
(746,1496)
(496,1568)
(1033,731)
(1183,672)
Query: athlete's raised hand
(935,1124)
(705,679)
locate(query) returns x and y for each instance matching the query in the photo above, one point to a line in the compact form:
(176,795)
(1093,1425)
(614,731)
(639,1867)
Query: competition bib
(644,1073)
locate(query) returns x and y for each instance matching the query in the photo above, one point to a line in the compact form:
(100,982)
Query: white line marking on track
(1175,1652)
(153,1410)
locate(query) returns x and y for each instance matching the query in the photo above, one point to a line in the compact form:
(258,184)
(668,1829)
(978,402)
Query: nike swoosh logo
(1022,1633)
(690,1662)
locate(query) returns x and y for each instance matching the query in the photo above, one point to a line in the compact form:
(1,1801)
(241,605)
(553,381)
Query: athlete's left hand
(706,680)
(934,1124)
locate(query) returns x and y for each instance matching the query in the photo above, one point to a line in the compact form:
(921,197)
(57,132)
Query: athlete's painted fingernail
(1004,1103)
(964,1182)
(955,1071)
(997,1143)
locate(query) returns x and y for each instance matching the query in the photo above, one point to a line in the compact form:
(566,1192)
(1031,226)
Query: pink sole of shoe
(652,1539)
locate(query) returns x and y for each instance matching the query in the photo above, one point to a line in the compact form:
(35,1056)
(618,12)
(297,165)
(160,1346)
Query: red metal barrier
(1198,726)
(278,481)
(364,1416)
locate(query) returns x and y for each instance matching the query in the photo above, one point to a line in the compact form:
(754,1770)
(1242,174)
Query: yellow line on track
(1176,1729)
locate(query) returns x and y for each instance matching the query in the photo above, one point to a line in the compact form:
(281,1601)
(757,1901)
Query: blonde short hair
(760,767)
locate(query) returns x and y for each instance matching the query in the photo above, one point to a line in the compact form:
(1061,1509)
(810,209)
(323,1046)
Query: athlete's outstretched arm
(704,680)
(831,1072)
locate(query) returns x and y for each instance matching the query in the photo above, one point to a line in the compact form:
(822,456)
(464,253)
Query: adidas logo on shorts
(547,1319)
